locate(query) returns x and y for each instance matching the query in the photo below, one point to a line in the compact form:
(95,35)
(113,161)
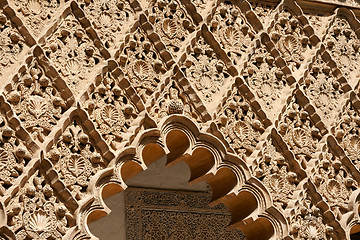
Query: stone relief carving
(335,182)
(140,60)
(298,131)
(288,34)
(205,38)
(76,159)
(346,131)
(232,31)
(239,124)
(36,213)
(325,87)
(205,70)
(265,79)
(111,110)
(37,14)
(14,155)
(36,100)
(264,11)
(73,53)
(109,18)
(172,23)
(275,172)
(173,100)
(307,220)
(12,43)
(343,45)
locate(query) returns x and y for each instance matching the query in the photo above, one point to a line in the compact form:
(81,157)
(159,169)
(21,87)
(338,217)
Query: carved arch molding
(259,98)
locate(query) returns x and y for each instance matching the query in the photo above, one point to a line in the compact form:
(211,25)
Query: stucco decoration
(259,98)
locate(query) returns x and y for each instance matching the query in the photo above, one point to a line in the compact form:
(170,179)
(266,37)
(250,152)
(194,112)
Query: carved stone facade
(259,98)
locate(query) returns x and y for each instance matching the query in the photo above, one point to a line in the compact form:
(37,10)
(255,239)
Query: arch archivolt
(179,139)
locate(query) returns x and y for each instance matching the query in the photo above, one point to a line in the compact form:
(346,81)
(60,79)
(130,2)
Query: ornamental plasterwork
(173,100)
(37,14)
(12,43)
(266,79)
(111,109)
(140,60)
(14,155)
(264,10)
(35,98)
(232,31)
(172,22)
(35,212)
(334,181)
(298,131)
(109,18)
(72,52)
(308,220)
(346,132)
(76,159)
(343,45)
(93,91)
(205,70)
(291,39)
(325,86)
(278,173)
(239,123)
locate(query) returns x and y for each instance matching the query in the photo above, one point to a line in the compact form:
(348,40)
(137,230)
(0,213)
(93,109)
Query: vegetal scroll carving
(73,53)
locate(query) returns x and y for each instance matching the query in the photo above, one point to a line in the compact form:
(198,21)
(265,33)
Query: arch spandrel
(169,79)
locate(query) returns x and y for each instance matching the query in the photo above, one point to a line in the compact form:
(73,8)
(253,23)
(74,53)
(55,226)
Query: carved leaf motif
(105,19)
(142,69)
(76,164)
(300,137)
(290,43)
(333,187)
(37,106)
(170,27)
(354,146)
(112,116)
(313,230)
(73,66)
(241,130)
(34,6)
(39,222)
(4,157)
(231,36)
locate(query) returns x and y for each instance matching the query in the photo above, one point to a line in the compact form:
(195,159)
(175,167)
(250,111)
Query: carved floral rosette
(298,131)
(204,69)
(276,174)
(76,159)
(307,220)
(266,79)
(240,124)
(172,23)
(111,110)
(231,30)
(36,213)
(72,52)
(290,36)
(343,45)
(325,86)
(36,100)
(334,181)
(109,18)
(141,62)
(37,14)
